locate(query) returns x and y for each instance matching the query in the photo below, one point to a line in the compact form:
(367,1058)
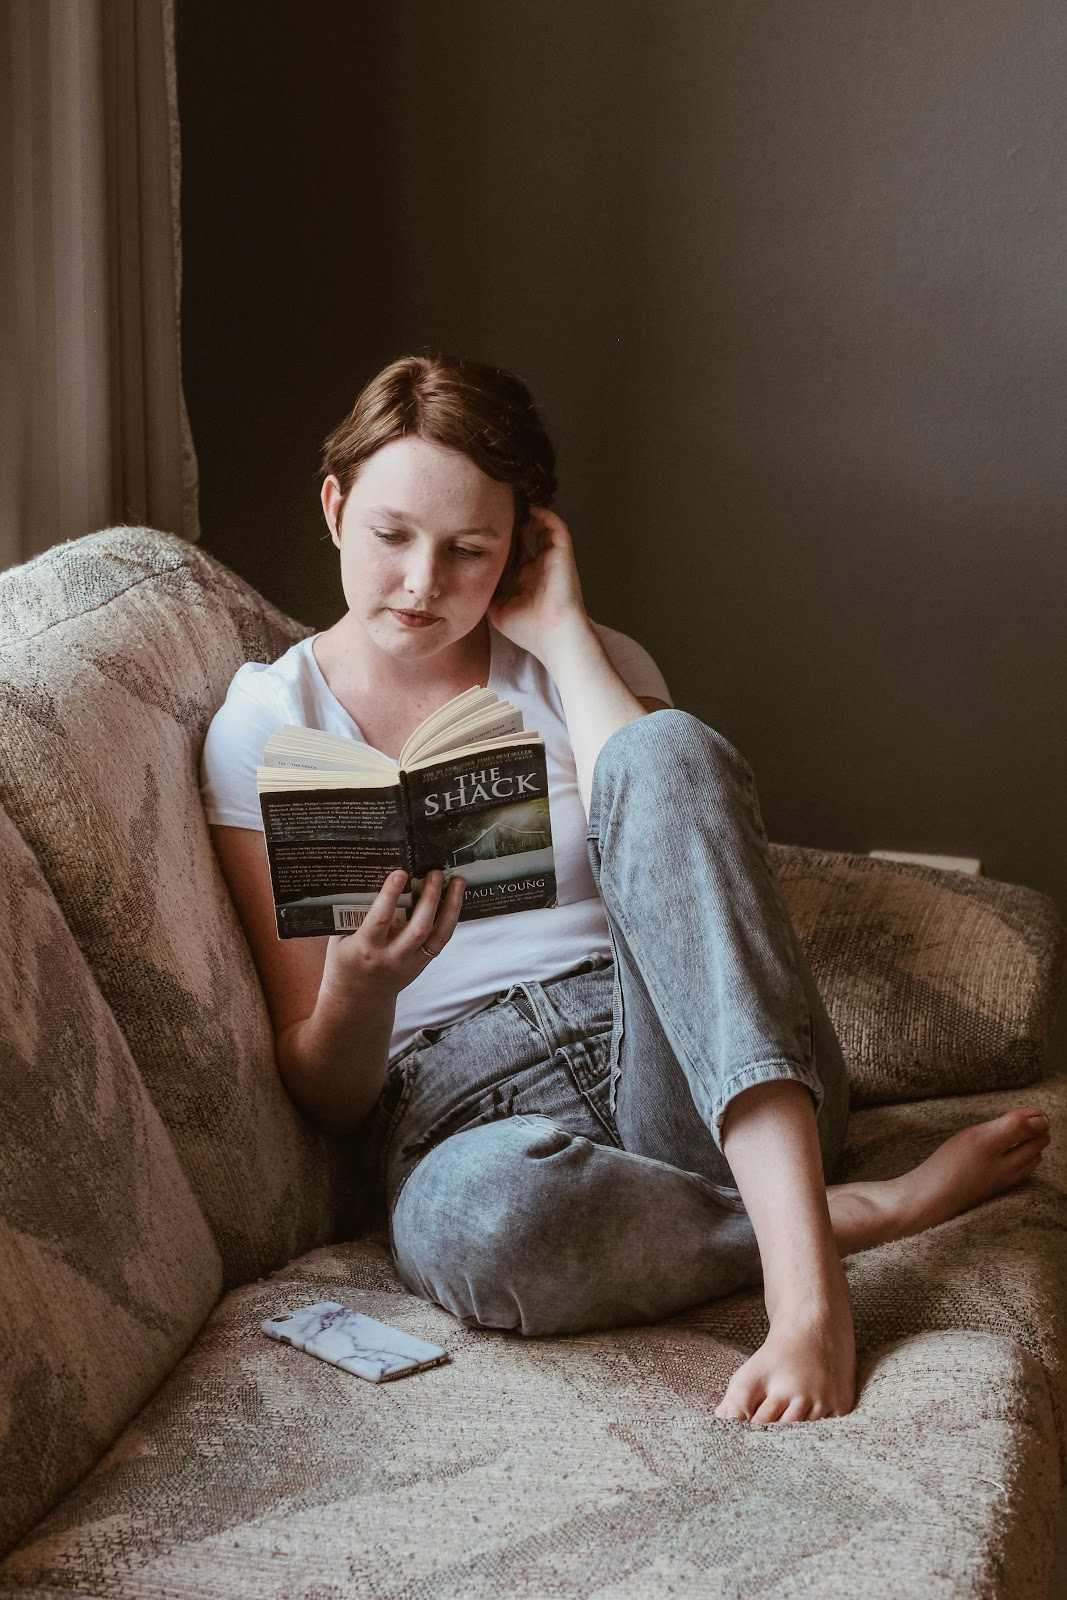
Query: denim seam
(593,838)
(806,1073)
(587,1087)
(524,1006)
(645,971)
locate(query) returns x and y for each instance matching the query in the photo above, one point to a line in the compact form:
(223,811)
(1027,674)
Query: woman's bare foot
(971,1166)
(806,1367)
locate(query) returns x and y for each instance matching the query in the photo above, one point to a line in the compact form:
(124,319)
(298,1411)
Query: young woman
(598,1113)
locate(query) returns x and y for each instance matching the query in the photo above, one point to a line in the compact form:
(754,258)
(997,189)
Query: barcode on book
(346,919)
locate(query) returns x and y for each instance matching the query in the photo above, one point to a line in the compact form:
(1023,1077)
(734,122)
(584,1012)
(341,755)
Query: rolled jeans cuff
(762,1072)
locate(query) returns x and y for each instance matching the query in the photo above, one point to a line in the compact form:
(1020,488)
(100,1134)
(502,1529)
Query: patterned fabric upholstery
(107,1267)
(592,1466)
(115,652)
(149,1160)
(936,982)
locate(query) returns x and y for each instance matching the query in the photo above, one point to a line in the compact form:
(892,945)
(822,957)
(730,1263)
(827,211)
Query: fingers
(544,532)
(548,529)
(547,518)
(379,918)
(437,912)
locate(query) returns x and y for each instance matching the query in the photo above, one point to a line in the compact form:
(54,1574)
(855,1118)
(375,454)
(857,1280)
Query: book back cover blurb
(486,819)
(330,851)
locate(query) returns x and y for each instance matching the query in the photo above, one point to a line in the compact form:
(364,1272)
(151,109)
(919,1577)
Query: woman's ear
(331,507)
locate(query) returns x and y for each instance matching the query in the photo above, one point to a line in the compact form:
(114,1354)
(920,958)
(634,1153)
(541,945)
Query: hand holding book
(386,951)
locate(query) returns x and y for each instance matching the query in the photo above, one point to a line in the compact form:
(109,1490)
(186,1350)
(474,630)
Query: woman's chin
(392,635)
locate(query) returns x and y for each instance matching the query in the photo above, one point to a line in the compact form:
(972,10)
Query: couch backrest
(115,651)
(936,982)
(107,1266)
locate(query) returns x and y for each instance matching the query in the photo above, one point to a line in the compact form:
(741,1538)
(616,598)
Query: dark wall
(789,282)
(287,294)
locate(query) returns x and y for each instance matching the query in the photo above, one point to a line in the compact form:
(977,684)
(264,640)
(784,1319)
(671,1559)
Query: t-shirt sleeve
(233,750)
(633,663)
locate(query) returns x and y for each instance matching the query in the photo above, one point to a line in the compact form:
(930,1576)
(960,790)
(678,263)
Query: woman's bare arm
(546,615)
(596,700)
(332,1001)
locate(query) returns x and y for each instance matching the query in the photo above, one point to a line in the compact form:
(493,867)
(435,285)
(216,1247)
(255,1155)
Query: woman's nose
(422,578)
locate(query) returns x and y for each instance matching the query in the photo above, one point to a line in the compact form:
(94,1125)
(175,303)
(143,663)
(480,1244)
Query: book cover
(329,852)
(487,820)
(338,817)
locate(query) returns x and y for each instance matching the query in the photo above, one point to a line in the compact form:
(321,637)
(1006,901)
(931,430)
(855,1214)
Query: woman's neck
(362,673)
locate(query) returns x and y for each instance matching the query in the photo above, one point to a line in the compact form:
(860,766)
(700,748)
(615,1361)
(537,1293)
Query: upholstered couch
(161,1196)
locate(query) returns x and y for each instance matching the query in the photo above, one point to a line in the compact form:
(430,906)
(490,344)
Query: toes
(770,1410)
(1023,1149)
(1015,1125)
(744,1392)
(799,1409)
(1028,1154)
(731,1409)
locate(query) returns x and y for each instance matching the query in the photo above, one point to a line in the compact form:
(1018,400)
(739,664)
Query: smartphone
(353,1341)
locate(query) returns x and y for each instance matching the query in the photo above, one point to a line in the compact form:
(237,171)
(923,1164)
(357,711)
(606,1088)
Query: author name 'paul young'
(485,786)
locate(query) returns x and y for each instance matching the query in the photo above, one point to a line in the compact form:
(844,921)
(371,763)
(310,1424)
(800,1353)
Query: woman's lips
(415,619)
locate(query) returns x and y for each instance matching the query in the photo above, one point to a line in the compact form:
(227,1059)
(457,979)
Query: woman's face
(423,531)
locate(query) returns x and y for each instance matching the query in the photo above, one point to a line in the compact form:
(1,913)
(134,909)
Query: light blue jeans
(554,1163)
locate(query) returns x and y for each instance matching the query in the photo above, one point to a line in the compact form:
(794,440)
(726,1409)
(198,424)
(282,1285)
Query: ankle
(809,1294)
(864,1215)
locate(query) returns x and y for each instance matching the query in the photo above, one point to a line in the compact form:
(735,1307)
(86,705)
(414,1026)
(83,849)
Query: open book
(469,794)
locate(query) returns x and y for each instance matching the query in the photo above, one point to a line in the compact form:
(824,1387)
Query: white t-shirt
(487,954)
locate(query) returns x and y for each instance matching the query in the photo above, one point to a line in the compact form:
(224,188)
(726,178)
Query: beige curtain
(93,426)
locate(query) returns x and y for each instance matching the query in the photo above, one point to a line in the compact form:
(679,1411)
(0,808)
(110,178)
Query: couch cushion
(107,1266)
(115,652)
(936,982)
(592,1466)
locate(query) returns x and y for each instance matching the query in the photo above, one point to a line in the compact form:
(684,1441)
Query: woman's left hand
(548,591)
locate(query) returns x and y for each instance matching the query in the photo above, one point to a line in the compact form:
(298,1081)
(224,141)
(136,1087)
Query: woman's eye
(396,538)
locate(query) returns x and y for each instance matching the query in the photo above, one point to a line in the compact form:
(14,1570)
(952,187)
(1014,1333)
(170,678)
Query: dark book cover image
(489,823)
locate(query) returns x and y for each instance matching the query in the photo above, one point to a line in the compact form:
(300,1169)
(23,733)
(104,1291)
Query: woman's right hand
(382,957)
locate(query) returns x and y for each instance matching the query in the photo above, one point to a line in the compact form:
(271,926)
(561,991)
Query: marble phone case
(353,1341)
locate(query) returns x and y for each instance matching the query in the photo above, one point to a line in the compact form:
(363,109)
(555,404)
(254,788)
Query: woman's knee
(477,1225)
(666,746)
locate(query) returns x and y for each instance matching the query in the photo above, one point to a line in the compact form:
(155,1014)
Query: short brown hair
(484,412)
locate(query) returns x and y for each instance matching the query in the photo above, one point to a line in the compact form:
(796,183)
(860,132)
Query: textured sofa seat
(161,1196)
(591,1465)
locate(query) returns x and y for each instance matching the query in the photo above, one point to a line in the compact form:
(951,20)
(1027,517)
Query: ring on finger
(427,952)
